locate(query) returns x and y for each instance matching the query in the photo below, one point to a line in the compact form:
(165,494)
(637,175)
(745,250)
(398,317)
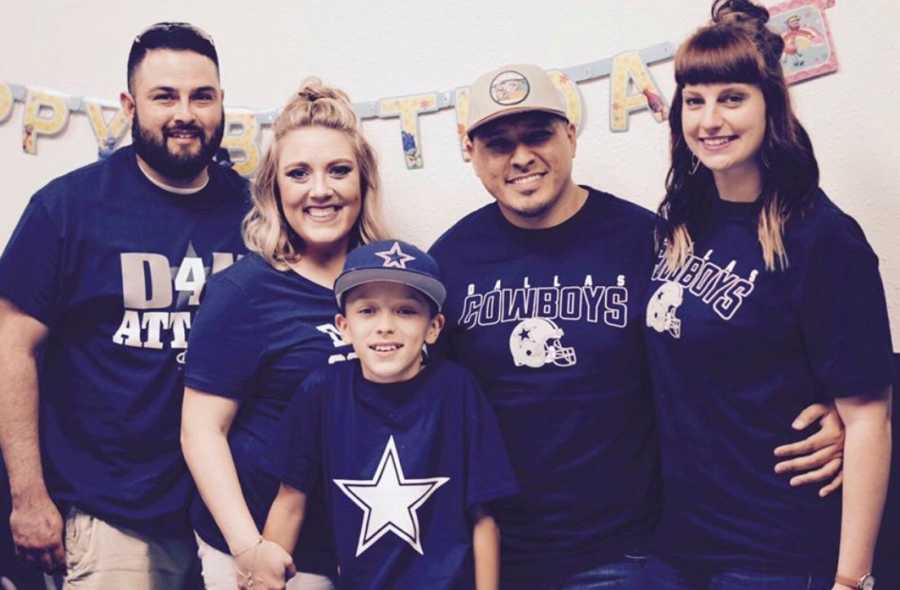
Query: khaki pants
(101,556)
(219,572)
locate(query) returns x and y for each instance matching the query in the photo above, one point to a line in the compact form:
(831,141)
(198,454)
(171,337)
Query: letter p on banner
(36,120)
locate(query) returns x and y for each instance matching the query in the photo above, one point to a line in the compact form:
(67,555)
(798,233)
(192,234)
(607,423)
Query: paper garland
(408,109)
(6,102)
(809,52)
(47,113)
(630,73)
(808,46)
(241,134)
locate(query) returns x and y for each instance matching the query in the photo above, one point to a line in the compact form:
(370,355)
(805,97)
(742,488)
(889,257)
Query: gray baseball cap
(512,89)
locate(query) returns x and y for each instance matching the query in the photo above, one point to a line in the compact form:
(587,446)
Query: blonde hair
(769,230)
(265,228)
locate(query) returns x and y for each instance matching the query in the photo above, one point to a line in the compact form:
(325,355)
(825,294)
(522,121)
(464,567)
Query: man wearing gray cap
(545,298)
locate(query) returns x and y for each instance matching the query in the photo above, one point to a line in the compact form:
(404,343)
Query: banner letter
(33,124)
(629,72)
(6,101)
(408,109)
(108,135)
(241,131)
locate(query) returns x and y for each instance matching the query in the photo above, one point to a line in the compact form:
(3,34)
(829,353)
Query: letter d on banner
(34,124)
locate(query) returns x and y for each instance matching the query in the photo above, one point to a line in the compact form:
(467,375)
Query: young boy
(406,454)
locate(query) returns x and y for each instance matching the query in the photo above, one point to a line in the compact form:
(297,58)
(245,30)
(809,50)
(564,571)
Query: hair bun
(312,89)
(750,18)
(739,12)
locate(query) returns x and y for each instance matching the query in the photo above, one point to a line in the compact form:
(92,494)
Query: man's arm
(486,546)
(35,521)
(818,457)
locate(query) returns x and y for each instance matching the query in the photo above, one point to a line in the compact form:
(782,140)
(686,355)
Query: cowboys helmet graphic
(662,307)
(535,342)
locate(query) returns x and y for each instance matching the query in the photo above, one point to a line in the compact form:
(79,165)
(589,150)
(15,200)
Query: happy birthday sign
(632,90)
(47,112)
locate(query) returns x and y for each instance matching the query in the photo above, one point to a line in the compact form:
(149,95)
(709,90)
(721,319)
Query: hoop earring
(695,164)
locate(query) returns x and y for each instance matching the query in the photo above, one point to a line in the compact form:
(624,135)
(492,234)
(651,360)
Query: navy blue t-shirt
(114,266)
(402,466)
(550,322)
(260,333)
(736,353)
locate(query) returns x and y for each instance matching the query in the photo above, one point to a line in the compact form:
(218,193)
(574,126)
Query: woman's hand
(819,457)
(265,566)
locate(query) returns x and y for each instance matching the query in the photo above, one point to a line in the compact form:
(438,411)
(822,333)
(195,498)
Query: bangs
(716,56)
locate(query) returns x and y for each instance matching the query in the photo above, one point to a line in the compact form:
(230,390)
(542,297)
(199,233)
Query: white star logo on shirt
(395,257)
(389,501)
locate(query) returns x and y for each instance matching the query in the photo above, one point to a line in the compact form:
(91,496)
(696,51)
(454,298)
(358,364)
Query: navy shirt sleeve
(844,313)
(30,266)
(296,455)
(490,474)
(225,344)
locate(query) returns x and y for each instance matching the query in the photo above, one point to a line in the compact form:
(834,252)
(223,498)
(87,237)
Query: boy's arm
(268,565)
(286,517)
(486,546)
(867,465)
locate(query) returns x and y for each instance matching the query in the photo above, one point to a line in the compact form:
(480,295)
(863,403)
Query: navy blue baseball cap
(392,261)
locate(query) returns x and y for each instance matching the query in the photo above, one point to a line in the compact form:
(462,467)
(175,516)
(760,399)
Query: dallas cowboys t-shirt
(549,321)
(260,333)
(115,267)
(737,352)
(401,465)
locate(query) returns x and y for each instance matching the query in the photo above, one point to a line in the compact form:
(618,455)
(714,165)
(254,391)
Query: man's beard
(158,156)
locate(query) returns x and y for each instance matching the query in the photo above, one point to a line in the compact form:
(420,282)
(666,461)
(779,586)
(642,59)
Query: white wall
(397,47)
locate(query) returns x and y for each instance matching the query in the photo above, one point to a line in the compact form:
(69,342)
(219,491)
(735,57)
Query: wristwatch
(867,582)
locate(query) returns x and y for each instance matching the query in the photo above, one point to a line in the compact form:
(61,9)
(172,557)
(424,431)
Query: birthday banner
(809,52)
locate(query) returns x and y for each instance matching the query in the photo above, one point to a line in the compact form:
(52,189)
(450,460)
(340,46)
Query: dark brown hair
(737,47)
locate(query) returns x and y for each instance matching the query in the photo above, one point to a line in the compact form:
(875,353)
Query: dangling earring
(695,164)
(765,161)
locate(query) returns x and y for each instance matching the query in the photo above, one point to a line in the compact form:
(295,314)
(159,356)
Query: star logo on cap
(390,501)
(395,257)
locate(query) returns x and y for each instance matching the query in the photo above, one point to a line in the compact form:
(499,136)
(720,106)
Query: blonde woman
(766,298)
(266,323)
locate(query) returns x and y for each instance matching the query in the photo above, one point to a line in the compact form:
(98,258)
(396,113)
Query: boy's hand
(265,567)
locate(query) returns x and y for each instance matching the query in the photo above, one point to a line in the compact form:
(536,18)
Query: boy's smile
(387,324)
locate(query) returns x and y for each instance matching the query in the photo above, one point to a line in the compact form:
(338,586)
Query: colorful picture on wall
(808,46)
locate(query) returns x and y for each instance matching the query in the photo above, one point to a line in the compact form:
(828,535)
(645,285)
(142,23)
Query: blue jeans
(661,575)
(618,575)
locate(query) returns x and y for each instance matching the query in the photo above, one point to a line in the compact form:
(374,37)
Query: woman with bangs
(766,297)
(266,322)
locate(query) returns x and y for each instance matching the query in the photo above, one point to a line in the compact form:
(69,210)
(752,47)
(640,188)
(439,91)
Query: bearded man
(103,275)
